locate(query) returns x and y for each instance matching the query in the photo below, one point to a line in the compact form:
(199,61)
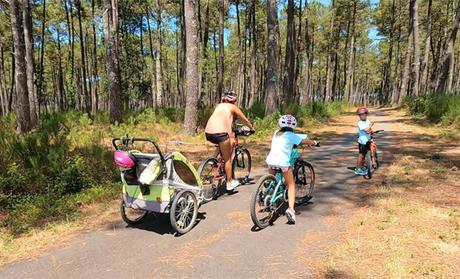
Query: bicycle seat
(277,170)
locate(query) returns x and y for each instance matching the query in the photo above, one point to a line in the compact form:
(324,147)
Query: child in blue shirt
(364,139)
(282,145)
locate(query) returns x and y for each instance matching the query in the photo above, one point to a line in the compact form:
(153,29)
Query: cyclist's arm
(243,117)
(369,129)
(308,142)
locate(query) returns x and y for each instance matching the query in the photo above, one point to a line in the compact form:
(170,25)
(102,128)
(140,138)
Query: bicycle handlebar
(126,141)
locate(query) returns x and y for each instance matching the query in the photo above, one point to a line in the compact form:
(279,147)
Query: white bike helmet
(287,121)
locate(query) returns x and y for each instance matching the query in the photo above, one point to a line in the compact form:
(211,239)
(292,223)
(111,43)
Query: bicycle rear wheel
(261,211)
(241,165)
(305,177)
(209,172)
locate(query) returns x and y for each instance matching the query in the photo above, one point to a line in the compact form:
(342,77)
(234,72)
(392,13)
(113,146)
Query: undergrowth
(444,109)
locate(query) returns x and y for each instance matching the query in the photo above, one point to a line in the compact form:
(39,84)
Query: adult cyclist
(219,129)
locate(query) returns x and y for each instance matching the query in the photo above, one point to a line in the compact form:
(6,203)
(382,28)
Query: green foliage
(60,158)
(437,108)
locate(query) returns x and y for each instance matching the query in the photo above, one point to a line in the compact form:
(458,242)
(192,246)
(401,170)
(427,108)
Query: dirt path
(223,244)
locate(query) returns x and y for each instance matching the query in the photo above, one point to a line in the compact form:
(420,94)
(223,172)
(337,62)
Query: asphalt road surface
(224,243)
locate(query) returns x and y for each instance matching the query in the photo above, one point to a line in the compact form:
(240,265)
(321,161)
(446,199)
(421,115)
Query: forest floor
(405,222)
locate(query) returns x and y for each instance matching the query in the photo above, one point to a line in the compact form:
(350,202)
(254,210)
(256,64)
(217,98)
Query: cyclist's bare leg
(226,151)
(360,162)
(289,179)
(217,151)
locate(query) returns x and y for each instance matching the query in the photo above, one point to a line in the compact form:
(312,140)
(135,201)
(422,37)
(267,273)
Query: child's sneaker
(360,171)
(290,214)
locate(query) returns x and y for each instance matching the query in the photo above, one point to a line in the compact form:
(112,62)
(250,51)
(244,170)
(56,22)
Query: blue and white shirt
(281,148)
(364,137)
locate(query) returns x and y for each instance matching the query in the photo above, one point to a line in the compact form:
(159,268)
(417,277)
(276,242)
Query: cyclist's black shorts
(363,148)
(217,138)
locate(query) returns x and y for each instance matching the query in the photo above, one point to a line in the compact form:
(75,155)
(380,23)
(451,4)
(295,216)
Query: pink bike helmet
(124,159)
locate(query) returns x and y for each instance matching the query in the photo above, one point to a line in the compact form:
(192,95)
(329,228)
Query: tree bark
(42,56)
(447,67)
(252,78)
(158,67)
(111,60)
(86,99)
(192,76)
(272,57)
(426,56)
(220,77)
(22,97)
(327,89)
(29,44)
(290,56)
(407,64)
(416,64)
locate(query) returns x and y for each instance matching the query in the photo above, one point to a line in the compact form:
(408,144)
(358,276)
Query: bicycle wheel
(305,177)
(369,165)
(184,211)
(208,171)
(376,159)
(130,215)
(241,165)
(261,211)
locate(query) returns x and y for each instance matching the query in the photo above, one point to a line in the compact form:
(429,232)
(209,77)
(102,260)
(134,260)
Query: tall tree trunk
(272,57)
(29,44)
(86,100)
(253,77)
(416,64)
(426,56)
(220,80)
(60,78)
(158,68)
(192,82)
(447,67)
(407,64)
(22,96)
(42,56)
(192,76)
(327,89)
(349,84)
(95,75)
(305,98)
(153,82)
(289,65)
(111,60)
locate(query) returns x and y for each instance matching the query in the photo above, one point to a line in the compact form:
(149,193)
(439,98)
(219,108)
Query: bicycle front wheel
(241,165)
(304,175)
(261,211)
(209,172)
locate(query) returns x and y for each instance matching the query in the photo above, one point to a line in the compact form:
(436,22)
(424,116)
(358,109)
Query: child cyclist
(279,157)
(364,139)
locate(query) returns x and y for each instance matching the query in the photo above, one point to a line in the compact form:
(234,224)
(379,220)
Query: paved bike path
(223,244)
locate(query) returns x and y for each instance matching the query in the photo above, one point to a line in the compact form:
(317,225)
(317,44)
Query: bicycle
(212,169)
(372,161)
(271,192)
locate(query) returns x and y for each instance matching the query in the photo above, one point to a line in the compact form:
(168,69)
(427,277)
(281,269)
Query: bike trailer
(151,184)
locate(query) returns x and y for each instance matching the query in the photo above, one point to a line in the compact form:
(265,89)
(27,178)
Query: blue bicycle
(271,192)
